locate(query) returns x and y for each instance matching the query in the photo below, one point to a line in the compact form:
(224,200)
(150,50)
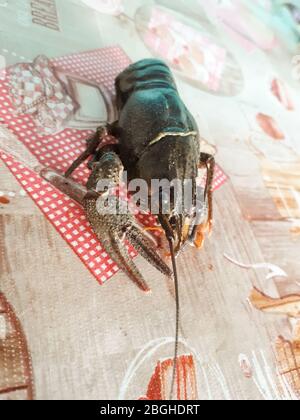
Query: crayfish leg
(209,162)
(200,230)
(92,145)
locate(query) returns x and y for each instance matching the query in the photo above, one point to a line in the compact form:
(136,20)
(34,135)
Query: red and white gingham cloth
(59,151)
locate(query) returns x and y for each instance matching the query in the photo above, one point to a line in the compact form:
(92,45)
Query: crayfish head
(169,165)
(176,213)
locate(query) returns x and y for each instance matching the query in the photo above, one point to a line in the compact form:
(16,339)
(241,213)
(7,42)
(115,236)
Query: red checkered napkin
(59,151)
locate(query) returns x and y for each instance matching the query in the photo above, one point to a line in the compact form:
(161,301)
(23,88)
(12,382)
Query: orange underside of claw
(202,230)
(199,240)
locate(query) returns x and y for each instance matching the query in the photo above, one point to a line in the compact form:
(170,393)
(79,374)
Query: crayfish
(155,137)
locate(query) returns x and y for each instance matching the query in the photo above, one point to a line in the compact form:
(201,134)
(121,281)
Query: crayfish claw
(121,256)
(147,249)
(112,230)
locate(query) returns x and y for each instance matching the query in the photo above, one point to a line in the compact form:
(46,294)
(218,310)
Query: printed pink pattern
(185,48)
(35,90)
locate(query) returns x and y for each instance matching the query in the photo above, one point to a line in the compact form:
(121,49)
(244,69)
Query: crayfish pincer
(155,142)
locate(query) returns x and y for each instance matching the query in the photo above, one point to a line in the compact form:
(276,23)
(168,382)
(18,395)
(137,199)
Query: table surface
(82,337)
